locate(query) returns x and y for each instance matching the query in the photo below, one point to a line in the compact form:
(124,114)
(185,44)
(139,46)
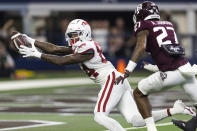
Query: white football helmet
(79,27)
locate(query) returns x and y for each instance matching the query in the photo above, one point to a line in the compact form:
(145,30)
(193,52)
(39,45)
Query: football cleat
(189,111)
(189,125)
(180,107)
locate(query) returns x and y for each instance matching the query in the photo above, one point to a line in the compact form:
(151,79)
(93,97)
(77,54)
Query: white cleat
(179,107)
(189,111)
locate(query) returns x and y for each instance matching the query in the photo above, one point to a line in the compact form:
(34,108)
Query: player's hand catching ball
(18,39)
(29,52)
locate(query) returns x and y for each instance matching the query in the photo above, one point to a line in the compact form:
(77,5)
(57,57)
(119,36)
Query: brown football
(20,39)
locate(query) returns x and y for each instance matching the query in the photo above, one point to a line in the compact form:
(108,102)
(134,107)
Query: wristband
(131,66)
(37,53)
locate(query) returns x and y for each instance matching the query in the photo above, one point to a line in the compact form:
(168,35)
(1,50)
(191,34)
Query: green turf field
(70,105)
(77,122)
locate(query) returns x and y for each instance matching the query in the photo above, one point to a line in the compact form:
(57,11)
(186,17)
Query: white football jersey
(97,68)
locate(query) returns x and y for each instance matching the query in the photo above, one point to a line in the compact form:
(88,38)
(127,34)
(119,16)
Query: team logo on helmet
(146,11)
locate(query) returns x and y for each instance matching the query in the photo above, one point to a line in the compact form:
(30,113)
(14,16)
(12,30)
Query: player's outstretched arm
(66,60)
(138,53)
(58,60)
(52,49)
(22,39)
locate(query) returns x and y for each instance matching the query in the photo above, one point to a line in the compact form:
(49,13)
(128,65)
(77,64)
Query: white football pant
(120,96)
(161,80)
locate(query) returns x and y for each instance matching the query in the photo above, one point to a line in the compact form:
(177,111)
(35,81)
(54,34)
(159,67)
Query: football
(18,39)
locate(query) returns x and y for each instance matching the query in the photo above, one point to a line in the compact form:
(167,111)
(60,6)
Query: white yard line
(158,125)
(43,123)
(44,83)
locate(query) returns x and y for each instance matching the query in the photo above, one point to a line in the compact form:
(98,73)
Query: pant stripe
(106,84)
(109,92)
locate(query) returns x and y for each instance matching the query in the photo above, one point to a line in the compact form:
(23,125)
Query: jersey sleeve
(84,48)
(142,25)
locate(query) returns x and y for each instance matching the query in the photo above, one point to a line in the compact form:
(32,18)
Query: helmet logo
(145,11)
(139,7)
(84,23)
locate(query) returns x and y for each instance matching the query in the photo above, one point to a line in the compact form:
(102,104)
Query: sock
(160,114)
(171,111)
(150,123)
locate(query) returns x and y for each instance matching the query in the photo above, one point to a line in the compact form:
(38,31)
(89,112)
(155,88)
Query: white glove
(29,39)
(29,52)
(151,67)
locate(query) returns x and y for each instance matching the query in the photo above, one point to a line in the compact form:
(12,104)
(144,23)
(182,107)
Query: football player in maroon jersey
(160,40)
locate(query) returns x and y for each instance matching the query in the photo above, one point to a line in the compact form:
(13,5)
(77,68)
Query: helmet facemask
(73,37)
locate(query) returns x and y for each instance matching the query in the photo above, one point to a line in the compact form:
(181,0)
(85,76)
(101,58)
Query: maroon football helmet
(146,11)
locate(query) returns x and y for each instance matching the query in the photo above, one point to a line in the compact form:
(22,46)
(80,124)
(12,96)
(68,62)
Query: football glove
(29,52)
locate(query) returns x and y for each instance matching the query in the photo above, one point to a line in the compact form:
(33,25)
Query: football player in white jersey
(88,54)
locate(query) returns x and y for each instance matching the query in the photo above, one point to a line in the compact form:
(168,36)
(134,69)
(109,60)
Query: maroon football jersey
(160,33)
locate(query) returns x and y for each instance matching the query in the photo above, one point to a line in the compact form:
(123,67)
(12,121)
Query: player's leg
(154,82)
(128,109)
(188,81)
(142,101)
(127,106)
(130,112)
(190,88)
(145,109)
(108,98)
